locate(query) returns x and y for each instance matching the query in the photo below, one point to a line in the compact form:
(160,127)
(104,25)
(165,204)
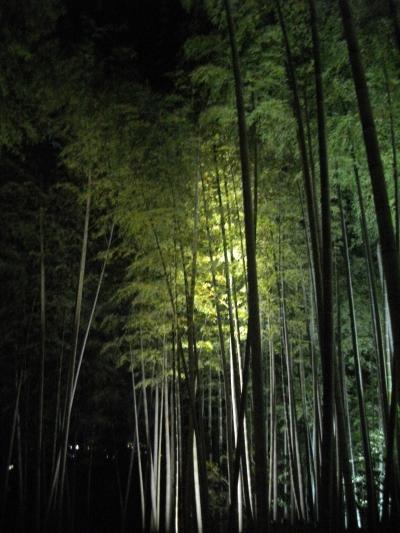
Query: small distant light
(70,446)
(76,446)
(10,467)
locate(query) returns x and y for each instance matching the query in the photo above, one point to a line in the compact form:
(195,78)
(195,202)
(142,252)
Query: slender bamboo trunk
(21,484)
(159,452)
(91,318)
(138,444)
(273,436)
(239,448)
(57,413)
(343,427)
(58,473)
(390,257)
(255,169)
(239,223)
(383,396)
(290,408)
(89,488)
(228,287)
(224,365)
(313,219)
(246,471)
(326,324)
(395,21)
(235,353)
(193,368)
(372,509)
(395,170)
(311,479)
(127,490)
(168,460)
(70,385)
(309,142)
(38,496)
(317,417)
(176,430)
(288,447)
(261,492)
(19,382)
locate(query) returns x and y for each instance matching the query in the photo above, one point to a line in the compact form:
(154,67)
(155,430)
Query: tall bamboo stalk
(260,455)
(372,508)
(390,257)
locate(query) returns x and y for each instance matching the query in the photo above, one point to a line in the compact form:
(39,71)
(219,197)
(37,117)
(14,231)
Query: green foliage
(67,114)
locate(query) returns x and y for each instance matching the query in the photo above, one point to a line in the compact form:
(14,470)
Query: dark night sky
(155,29)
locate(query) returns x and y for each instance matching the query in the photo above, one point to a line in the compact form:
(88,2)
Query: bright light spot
(237,253)
(76,446)
(10,467)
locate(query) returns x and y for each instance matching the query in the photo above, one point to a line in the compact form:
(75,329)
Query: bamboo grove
(200,314)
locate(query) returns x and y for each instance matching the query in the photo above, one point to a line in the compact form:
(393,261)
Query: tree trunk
(260,455)
(372,510)
(386,234)
(326,323)
(38,498)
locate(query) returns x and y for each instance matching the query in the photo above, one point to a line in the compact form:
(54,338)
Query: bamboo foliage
(194,315)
